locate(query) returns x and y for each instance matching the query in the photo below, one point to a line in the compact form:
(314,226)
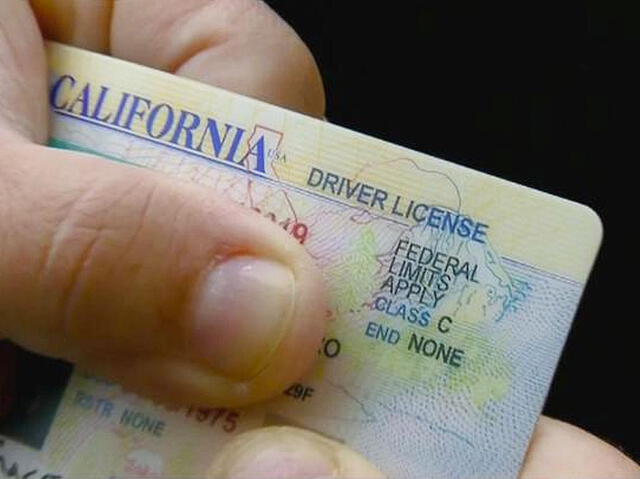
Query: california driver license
(452,291)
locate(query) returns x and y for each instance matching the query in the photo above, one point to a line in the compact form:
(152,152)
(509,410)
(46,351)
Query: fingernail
(280,460)
(241,314)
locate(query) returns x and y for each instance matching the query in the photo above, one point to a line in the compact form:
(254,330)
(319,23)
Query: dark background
(30,405)
(524,92)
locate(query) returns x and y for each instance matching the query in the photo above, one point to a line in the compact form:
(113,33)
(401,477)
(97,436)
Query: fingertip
(288,453)
(559,449)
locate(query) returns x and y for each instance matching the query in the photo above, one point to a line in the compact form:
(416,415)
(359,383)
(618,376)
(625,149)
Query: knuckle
(95,232)
(290,76)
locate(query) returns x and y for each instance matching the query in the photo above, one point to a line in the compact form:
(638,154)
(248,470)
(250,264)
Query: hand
(558,451)
(92,271)
(159,285)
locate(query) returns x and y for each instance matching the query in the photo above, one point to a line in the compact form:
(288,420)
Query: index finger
(239,45)
(559,449)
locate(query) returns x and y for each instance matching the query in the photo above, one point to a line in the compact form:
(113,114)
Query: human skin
(89,267)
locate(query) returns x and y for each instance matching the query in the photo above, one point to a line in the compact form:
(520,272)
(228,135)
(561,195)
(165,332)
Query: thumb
(155,284)
(289,453)
(158,285)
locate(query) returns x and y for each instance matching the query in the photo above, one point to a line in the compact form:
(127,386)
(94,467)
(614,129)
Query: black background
(524,92)
(40,384)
